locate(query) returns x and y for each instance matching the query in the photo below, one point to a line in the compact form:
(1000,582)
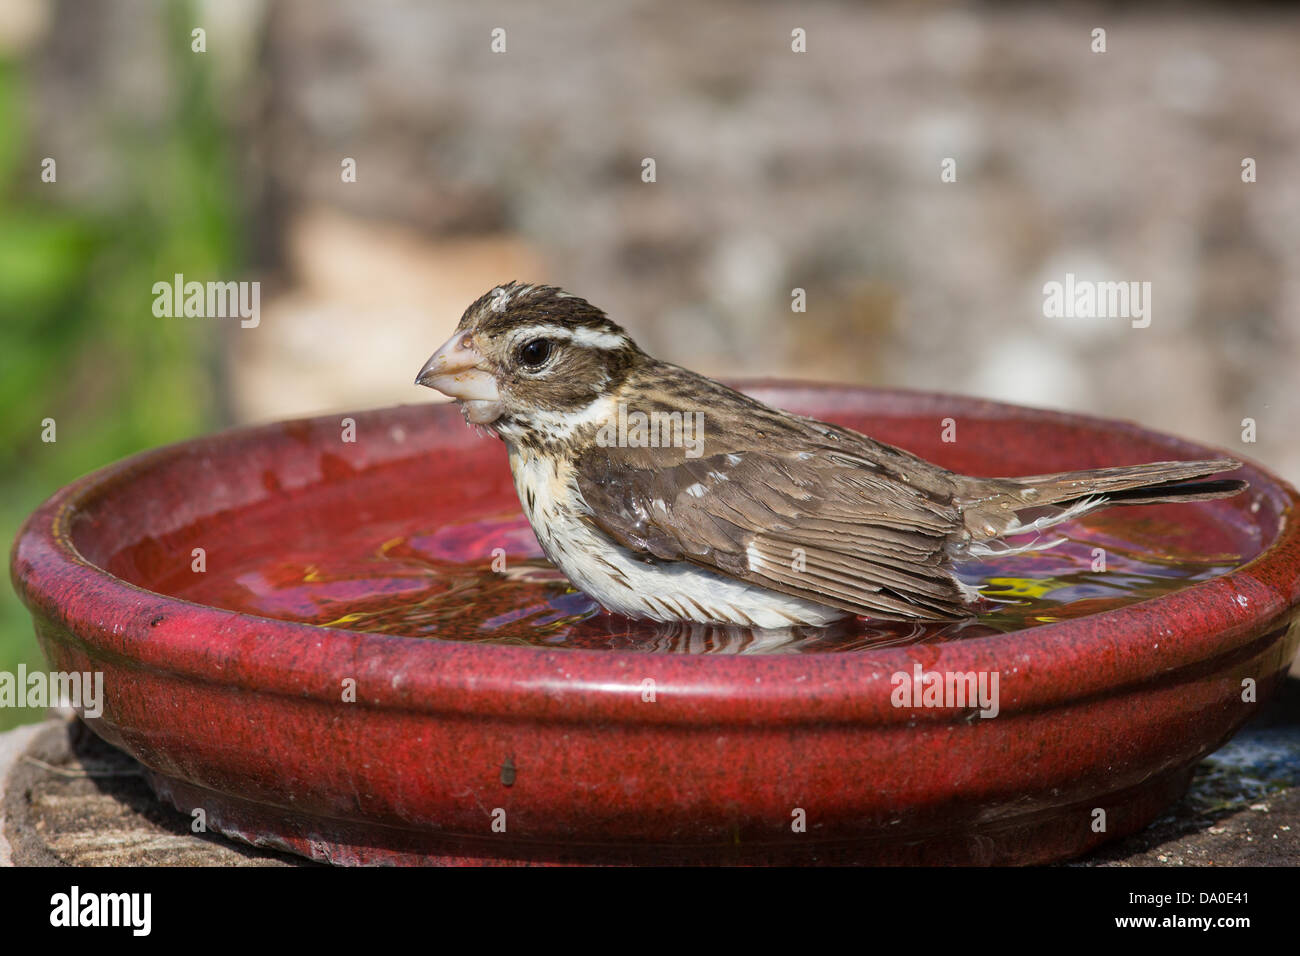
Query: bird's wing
(837,525)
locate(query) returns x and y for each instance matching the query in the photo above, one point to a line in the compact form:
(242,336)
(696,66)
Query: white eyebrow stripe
(589,338)
(528,331)
(597,339)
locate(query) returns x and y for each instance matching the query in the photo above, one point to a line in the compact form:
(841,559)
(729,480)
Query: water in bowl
(401,579)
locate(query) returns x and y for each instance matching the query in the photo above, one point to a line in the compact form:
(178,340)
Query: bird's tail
(1000,507)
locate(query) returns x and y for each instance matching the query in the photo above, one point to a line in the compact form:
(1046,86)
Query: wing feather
(814,520)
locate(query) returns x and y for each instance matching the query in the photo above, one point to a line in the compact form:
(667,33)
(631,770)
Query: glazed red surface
(244,715)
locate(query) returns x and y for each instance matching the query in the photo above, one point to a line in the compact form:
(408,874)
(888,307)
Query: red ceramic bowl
(464,751)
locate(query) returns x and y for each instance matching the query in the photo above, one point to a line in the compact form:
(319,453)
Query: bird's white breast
(626,584)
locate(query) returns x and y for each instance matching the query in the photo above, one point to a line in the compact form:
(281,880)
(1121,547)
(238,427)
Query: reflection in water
(485,581)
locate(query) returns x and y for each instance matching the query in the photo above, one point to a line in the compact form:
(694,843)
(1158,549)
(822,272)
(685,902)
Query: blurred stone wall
(776,170)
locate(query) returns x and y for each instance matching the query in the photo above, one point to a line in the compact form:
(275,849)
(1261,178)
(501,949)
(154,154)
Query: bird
(665,495)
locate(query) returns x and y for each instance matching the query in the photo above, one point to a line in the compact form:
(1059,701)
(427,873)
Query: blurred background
(774,170)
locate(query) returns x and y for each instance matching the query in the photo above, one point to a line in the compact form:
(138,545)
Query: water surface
(403,579)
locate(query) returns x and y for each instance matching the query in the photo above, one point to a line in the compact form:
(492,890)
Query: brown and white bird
(666,495)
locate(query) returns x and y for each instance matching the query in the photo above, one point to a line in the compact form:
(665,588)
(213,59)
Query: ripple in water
(414,583)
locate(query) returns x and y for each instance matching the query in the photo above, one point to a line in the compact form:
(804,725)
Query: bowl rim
(1047,665)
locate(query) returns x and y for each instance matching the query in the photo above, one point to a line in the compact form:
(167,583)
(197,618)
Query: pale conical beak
(459,370)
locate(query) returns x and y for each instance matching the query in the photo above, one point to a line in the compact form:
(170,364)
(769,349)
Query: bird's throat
(482,411)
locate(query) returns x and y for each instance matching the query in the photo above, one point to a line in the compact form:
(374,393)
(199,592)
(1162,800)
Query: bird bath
(353,651)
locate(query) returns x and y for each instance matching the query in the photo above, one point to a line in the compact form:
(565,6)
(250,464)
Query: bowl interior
(413,527)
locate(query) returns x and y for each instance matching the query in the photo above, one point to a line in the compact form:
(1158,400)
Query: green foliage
(78,339)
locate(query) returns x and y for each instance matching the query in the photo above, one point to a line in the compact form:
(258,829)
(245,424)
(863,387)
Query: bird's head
(532,360)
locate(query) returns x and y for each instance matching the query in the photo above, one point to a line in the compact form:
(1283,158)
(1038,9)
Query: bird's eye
(535,353)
